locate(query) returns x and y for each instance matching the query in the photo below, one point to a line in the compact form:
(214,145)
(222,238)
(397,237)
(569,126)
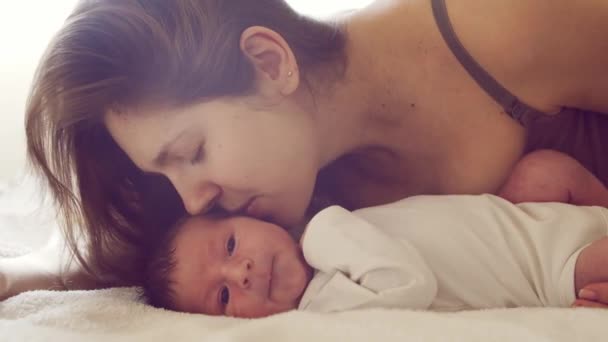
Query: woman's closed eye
(198,155)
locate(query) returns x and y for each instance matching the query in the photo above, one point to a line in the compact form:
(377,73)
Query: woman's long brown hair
(112,55)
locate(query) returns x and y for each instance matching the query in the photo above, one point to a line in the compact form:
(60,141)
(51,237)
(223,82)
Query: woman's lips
(253,208)
(270,278)
(243,209)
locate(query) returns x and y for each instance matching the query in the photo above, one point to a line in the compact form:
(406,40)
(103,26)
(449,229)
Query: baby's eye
(230,245)
(224,296)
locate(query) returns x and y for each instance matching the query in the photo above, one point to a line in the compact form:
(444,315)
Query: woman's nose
(199,200)
(239,273)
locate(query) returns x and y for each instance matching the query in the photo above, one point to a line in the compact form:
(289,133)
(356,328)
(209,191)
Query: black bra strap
(511,104)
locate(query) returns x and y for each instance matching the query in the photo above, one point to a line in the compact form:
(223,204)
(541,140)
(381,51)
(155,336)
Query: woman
(245,106)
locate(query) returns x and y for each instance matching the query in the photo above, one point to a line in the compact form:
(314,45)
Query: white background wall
(26,26)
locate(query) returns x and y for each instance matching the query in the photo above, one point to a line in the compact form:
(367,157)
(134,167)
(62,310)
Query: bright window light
(322,8)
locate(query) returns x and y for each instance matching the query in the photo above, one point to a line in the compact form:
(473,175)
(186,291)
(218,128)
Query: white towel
(116,315)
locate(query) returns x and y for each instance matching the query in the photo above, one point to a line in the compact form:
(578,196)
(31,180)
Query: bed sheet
(118,315)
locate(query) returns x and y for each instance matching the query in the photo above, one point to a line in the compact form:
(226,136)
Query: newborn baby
(438,252)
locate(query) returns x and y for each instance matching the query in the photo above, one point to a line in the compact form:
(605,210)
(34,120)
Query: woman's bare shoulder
(550,53)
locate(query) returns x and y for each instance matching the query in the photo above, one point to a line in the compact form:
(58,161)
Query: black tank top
(579,133)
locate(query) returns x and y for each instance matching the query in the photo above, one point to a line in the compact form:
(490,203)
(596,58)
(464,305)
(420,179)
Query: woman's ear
(275,65)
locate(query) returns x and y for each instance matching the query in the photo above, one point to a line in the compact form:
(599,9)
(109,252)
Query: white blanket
(116,315)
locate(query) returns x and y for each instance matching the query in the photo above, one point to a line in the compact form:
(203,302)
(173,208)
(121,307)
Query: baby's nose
(240,273)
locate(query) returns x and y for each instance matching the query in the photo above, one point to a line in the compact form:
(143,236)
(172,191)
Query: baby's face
(238,267)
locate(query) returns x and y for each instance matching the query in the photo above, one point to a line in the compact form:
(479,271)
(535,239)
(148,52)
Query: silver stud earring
(290,73)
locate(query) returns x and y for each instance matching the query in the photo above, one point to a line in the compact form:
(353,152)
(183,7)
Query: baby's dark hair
(159,263)
(157,287)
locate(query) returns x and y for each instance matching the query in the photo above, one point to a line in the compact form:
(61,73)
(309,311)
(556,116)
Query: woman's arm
(46,269)
(551,176)
(360,266)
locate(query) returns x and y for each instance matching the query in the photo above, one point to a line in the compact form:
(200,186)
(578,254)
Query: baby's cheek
(255,307)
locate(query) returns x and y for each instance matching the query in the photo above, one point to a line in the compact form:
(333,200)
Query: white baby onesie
(449,252)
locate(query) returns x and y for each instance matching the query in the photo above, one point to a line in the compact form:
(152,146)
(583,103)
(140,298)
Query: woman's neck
(396,124)
(375,104)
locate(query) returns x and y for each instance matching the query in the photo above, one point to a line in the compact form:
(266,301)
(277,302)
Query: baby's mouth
(270,278)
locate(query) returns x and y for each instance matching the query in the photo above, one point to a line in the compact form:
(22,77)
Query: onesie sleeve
(360,266)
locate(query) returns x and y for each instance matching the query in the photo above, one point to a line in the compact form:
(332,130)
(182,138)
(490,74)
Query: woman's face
(257,162)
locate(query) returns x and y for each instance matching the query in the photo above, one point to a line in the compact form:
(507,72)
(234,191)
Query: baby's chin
(268,309)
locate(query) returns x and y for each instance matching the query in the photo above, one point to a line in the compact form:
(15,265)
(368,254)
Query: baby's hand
(593,296)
